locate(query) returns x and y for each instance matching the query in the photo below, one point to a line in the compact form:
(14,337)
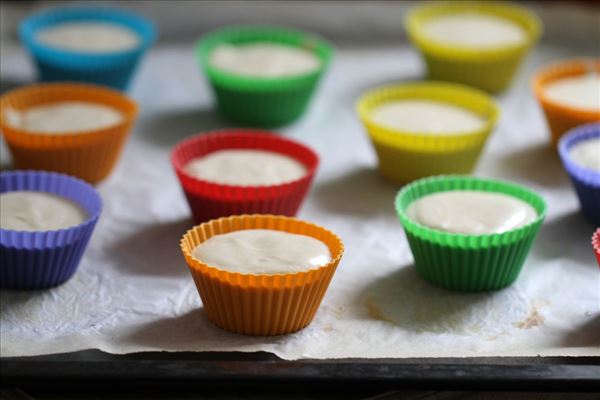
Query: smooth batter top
(89,37)
(586,154)
(578,91)
(475,30)
(427,117)
(64,117)
(243,167)
(263,251)
(38,211)
(264,60)
(471,212)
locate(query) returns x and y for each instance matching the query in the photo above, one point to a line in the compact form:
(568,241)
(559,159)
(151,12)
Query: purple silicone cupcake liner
(585,181)
(36,260)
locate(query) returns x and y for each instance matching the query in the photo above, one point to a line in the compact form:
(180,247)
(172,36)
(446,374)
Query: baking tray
(99,371)
(95,369)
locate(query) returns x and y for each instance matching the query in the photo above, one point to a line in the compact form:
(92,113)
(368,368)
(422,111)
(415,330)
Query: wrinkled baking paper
(133,291)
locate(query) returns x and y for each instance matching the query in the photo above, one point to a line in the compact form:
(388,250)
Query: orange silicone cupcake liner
(260,304)
(560,117)
(89,155)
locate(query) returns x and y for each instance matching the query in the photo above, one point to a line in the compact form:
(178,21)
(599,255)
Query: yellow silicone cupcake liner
(406,156)
(562,118)
(260,304)
(89,155)
(489,69)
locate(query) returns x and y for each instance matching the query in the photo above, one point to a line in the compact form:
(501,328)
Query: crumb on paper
(338,312)
(475,328)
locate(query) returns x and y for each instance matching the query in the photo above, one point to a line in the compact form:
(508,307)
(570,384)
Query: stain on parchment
(534,318)
(375,311)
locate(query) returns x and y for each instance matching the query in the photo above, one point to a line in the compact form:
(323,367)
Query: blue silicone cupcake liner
(108,68)
(36,260)
(585,181)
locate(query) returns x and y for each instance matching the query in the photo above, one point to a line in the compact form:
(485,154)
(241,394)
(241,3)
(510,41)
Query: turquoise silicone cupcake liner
(111,68)
(468,262)
(265,102)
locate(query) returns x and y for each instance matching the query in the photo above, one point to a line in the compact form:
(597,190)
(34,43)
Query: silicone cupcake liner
(265,102)
(585,181)
(260,304)
(36,260)
(490,69)
(406,156)
(468,262)
(209,200)
(596,244)
(88,155)
(108,68)
(562,118)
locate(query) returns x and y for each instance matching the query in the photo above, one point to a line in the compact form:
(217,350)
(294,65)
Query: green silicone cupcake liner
(468,262)
(265,102)
(488,69)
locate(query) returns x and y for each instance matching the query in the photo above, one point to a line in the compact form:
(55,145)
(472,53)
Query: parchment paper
(133,291)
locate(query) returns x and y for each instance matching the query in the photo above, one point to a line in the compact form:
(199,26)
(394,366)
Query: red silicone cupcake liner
(209,200)
(596,245)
